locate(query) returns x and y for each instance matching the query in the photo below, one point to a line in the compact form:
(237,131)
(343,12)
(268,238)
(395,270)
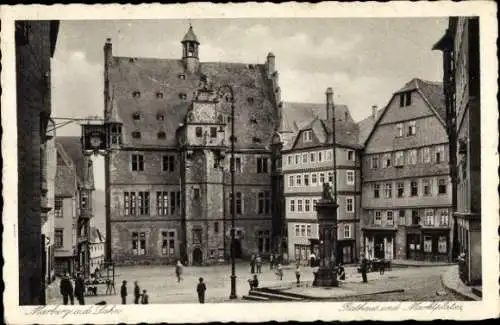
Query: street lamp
(233,197)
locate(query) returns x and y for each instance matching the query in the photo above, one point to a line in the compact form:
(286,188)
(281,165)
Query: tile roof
(168,76)
(295,115)
(66,179)
(95,235)
(365,126)
(432,91)
(73,148)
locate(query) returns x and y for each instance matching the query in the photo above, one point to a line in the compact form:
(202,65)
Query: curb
(456,291)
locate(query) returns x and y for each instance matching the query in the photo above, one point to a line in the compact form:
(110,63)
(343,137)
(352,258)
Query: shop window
(427,244)
(442,245)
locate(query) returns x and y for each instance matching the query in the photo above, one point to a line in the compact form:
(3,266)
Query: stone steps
(267,294)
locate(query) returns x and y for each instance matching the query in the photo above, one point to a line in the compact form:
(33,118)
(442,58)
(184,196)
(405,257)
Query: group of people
(139,298)
(69,292)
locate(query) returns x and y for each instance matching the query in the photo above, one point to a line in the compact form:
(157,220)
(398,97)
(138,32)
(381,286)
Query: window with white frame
(349,202)
(414,188)
(390,217)
(297,159)
(138,243)
(442,186)
(377,218)
(297,230)
(320,156)
(426,187)
(399,129)
(427,244)
(376,190)
(308,230)
(443,217)
(291,181)
(439,154)
(347,231)
(304,158)
(402,217)
(314,201)
(330,177)
(374,162)
(388,190)
(307,205)
(312,157)
(299,205)
(401,189)
(350,155)
(426,155)
(350,177)
(387,160)
(429,217)
(298,180)
(308,136)
(399,159)
(168,243)
(290,159)
(58,207)
(302,230)
(329,155)
(306,179)
(412,128)
(292,205)
(321,178)
(412,157)
(314,179)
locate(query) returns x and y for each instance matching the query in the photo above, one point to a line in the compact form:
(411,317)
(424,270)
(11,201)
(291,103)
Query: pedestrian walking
(66,289)
(200,289)
(80,289)
(258,262)
(145,298)
(279,272)
(364,266)
(297,273)
(252,264)
(271,261)
(341,272)
(137,292)
(382,267)
(178,271)
(123,292)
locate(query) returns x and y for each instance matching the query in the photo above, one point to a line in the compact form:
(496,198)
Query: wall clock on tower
(95,141)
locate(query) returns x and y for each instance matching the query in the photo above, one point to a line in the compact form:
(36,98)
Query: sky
(364,60)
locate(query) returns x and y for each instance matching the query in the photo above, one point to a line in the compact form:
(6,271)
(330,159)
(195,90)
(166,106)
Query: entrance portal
(197,256)
(379,247)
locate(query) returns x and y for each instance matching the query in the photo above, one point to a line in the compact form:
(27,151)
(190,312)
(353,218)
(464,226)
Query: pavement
(451,281)
(162,286)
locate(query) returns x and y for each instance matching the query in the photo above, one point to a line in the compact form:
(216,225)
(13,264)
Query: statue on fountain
(327,192)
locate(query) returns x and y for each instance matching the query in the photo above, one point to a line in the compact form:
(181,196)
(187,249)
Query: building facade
(96,249)
(35,43)
(82,168)
(307,163)
(406,188)
(460,46)
(168,171)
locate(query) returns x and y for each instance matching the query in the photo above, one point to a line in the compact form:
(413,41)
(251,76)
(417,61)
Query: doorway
(197,256)
(379,247)
(413,246)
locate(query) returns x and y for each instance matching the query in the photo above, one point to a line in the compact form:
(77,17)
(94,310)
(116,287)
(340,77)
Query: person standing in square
(200,289)
(123,292)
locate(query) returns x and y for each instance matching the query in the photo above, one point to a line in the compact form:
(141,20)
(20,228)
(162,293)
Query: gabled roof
(73,148)
(366,125)
(253,95)
(66,178)
(432,92)
(95,236)
(296,115)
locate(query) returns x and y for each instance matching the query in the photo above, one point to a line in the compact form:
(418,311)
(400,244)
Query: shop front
(379,243)
(346,251)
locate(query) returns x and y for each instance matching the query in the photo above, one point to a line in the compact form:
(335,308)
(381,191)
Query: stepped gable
(253,95)
(66,178)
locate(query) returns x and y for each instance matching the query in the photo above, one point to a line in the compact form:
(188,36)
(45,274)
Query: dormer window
(182,96)
(250,100)
(405,99)
(161,135)
(136,94)
(136,135)
(182,76)
(136,116)
(159,95)
(307,136)
(256,140)
(160,117)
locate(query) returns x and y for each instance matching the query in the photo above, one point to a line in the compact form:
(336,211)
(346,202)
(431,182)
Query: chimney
(271,64)
(329,103)
(374,112)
